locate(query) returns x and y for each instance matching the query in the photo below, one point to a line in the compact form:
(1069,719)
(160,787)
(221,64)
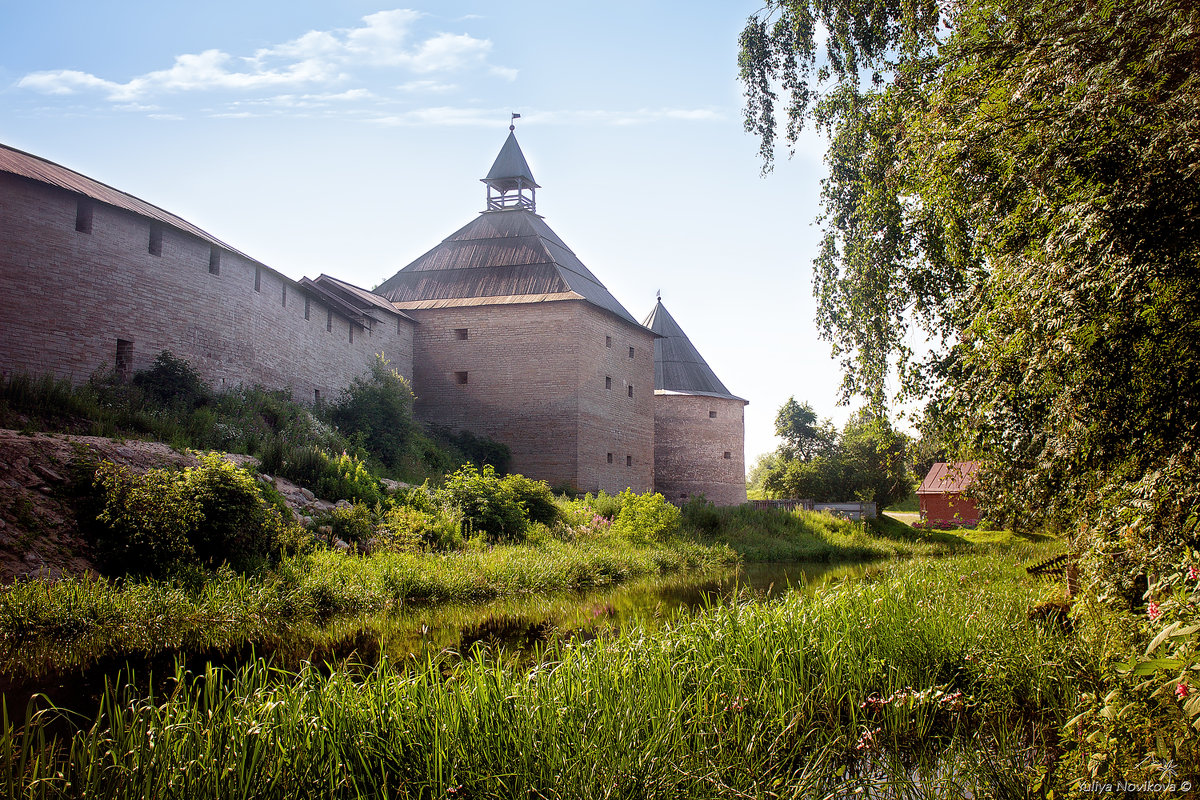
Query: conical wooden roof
(678,365)
(509,256)
(509,166)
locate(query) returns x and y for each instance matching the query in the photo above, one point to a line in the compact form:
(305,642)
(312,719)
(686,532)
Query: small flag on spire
(515,117)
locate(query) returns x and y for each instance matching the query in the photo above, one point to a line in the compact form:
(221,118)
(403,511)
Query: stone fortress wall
(87,286)
(698,448)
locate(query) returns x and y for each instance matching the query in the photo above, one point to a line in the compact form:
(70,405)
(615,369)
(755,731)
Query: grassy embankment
(930,672)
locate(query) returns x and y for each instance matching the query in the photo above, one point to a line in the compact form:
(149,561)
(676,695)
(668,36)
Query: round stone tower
(699,427)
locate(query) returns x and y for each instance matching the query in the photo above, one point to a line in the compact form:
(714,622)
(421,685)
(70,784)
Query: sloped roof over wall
(501,256)
(952,477)
(678,365)
(29,166)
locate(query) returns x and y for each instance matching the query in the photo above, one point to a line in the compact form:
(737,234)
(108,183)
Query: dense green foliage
(1017,179)
(867,460)
(376,410)
(929,676)
(162,521)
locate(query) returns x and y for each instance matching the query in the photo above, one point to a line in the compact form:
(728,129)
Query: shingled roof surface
(38,169)
(952,477)
(509,166)
(507,256)
(678,365)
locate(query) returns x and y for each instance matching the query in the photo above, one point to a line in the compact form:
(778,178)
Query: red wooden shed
(942,494)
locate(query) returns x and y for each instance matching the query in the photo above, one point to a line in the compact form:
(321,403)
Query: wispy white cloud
(385,39)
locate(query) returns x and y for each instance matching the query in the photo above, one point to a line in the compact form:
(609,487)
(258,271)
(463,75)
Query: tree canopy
(1017,181)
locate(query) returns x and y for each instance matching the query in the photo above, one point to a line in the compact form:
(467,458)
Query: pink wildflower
(1193,573)
(1182,690)
(1153,610)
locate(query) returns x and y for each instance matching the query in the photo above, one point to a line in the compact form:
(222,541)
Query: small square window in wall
(608,341)
(460,378)
(607,382)
(214,261)
(631,352)
(712,415)
(728,454)
(631,390)
(629,461)
(257,279)
(83,215)
(610,458)
(460,334)
(155,248)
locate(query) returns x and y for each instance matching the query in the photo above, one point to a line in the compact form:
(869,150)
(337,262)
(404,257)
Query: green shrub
(345,477)
(162,521)
(645,517)
(377,408)
(146,520)
(604,504)
(535,496)
(406,529)
(355,524)
(488,505)
(172,380)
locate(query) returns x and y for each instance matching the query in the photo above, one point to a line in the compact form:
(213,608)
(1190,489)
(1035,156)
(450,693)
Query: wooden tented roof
(678,365)
(509,256)
(510,165)
(952,477)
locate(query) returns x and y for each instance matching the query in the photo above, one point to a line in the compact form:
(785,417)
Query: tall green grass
(48,627)
(928,679)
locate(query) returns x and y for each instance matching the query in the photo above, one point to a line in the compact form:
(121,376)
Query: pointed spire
(510,182)
(678,365)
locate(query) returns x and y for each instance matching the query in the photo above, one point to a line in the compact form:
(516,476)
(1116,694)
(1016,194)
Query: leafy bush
(162,521)
(376,408)
(405,529)
(355,524)
(345,477)
(488,505)
(604,504)
(535,496)
(172,380)
(645,517)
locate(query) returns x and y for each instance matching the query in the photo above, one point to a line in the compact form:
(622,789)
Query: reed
(928,679)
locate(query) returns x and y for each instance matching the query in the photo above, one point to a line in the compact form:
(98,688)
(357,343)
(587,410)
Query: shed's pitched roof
(951,477)
(678,365)
(510,164)
(26,165)
(507,256)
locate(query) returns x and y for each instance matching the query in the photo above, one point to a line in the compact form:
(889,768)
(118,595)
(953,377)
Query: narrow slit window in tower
(155,240)
(83,215)
(610,458)
(629,461)
(257,279)
(124,365)
(214,260)
(607,381)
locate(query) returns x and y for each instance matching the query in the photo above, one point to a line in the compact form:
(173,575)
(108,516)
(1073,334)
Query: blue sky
(348,138)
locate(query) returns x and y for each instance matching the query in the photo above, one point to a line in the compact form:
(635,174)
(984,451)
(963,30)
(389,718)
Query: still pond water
(520,625)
